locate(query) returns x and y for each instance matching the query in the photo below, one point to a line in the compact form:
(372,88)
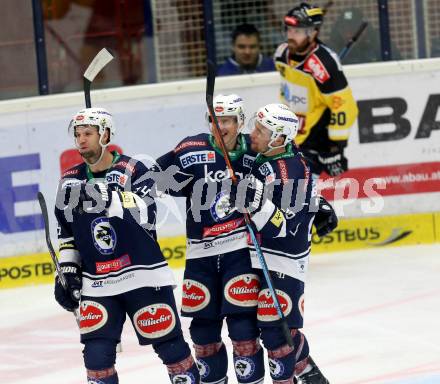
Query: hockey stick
(75,293)
(353,40)
(210,84)
(98,63)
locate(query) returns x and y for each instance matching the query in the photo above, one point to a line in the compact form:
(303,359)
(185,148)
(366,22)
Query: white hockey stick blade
(100,61)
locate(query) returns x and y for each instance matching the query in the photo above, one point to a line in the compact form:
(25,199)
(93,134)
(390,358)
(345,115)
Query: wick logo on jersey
(93,316)
(243,290)
(200,157)
(195,296)
(155,320)
(104,236)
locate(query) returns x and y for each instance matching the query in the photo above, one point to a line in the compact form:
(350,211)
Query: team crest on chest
(221,207)
(104,235)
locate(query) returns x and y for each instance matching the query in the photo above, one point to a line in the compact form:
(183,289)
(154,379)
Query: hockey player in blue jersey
(282,199)
(108,249)
(219,282)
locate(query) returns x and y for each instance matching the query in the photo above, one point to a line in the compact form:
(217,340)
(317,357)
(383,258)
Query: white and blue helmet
(280,120)
(98,117)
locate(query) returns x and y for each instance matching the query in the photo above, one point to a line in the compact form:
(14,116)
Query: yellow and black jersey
(315,88)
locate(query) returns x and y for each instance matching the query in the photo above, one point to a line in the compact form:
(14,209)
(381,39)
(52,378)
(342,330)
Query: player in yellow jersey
(314,86)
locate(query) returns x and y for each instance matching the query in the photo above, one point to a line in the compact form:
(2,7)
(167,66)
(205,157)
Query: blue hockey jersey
(284,222)
(116,248)
(213,227)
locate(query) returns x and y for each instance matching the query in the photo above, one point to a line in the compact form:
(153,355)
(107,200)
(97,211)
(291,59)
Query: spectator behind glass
(246,56)
(367,48)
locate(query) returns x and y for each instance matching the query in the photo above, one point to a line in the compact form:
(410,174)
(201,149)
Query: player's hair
(245,29)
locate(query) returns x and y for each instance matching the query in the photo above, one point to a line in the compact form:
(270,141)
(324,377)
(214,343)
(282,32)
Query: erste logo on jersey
(104,235)
(199,157)
(155,320)
(316,68)
(195,296)
(266,308)
(248,161)
(267,171)
(116,177)
(93,316)
(243,290)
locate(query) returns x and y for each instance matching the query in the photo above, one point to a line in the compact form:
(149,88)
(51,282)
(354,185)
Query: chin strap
(270,147)
(103,147)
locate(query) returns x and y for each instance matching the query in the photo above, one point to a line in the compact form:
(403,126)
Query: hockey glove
(69,298)
(325,219)
(247,195)
(334,162)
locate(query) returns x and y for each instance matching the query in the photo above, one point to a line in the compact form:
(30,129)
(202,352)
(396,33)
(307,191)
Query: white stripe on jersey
(127,280)
(294,265)
(232,241)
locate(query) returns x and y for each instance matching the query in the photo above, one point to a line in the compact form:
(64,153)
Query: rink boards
(393,153)
(351,234)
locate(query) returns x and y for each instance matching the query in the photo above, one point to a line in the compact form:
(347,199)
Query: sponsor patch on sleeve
(277,218)
(314,66)
(128,200)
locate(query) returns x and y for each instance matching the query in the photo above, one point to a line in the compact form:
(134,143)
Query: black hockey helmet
(304,16)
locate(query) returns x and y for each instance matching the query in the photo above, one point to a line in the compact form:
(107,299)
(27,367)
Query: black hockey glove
(325,219)
(69,298)
(334,162)
(247,195)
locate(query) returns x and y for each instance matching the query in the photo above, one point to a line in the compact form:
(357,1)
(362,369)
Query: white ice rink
(372,316)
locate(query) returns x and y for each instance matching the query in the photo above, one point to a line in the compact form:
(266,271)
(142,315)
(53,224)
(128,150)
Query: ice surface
(372,316)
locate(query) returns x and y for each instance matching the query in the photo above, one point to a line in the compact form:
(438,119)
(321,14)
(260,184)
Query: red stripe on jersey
(283,171)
